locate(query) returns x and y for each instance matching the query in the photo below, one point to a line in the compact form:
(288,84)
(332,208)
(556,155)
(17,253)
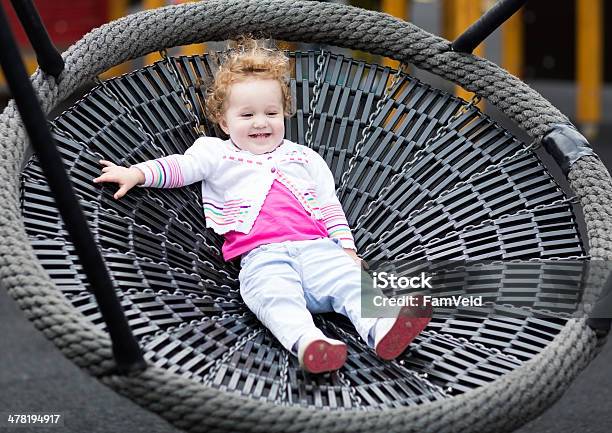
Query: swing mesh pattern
(435,179)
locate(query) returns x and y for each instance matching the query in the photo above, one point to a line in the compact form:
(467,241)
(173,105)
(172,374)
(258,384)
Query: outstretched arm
(127,178)
(174,171)
(333,215)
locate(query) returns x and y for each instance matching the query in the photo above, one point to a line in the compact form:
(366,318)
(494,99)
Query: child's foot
(393,336)
(321,354)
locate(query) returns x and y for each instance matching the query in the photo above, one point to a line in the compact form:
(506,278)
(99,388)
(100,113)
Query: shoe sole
(321,357)
(404,330)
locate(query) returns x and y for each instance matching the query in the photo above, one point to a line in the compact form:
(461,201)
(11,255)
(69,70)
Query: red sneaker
(392,343)
(321,355)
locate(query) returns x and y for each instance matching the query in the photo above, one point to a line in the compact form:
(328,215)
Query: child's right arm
(127,178)
(174,171)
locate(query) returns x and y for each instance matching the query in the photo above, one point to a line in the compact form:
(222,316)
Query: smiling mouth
(260,136)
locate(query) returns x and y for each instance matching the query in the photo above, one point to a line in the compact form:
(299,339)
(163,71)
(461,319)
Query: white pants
(283,283)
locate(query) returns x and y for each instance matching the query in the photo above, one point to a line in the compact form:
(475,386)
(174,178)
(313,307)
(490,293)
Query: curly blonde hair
(247,58)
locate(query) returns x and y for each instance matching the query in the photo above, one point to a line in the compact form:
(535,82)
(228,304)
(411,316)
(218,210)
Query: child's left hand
(354,256)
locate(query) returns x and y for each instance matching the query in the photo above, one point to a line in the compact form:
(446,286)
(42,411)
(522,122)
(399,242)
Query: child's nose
(259,121)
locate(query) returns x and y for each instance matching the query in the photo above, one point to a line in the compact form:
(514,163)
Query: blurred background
(560,50)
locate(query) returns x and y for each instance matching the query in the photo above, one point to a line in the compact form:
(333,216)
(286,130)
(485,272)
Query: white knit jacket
(235,183)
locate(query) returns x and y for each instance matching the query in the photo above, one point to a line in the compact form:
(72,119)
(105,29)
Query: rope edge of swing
(75,336)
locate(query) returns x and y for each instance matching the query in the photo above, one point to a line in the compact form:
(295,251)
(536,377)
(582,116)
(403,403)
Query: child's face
(254,115)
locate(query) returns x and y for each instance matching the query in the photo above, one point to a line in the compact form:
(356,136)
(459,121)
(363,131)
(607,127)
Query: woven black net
(432,178)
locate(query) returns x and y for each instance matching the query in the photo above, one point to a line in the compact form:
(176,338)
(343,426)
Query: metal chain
(173,68)
(395,179)
(462,340)
(352,391)
(207,244)
(283,391)
(164,332)
(208,378)
(198,128)
(490,168)
(367,131)
(66,133)
(432,335)
(221,271)
(54,128)
(400,365)
(478,264)
(109,92)
(341,376)
(488,222)
(315,98)
(561,259)
(430,203)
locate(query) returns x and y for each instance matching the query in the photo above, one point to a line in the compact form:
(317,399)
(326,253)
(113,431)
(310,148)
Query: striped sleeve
(332,213)
(174,171)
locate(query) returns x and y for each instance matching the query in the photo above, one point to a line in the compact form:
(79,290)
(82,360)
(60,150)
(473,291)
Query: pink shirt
(281,218)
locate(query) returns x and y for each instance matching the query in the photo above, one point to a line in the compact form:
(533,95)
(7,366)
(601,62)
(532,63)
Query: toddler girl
(275,203)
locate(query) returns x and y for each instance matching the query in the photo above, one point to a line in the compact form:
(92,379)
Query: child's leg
(393,335)
(271,287)
(332,282)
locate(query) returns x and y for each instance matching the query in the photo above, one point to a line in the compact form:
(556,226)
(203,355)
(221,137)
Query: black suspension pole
(126,350)
(49,59)
(487,24)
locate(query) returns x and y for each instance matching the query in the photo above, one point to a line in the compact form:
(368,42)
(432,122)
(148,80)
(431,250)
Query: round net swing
(422,176)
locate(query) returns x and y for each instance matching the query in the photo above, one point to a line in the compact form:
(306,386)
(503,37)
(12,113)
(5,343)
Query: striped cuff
(161,173)
(347,243)
(337,226)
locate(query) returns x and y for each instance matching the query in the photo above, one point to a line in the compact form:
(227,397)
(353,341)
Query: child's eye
(246,114)
(272,113)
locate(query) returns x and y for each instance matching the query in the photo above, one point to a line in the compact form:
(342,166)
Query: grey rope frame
(501,406)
